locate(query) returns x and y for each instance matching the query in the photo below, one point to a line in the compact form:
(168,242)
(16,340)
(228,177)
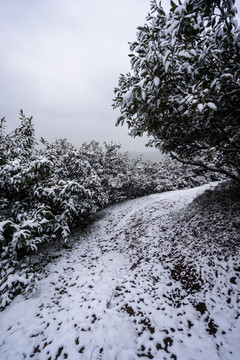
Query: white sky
(60,61)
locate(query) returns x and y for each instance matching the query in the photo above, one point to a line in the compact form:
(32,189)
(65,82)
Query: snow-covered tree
(184,86)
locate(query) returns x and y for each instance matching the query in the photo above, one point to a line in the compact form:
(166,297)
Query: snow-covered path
(130,289)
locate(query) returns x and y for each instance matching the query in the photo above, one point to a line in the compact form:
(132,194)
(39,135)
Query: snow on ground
(143,281)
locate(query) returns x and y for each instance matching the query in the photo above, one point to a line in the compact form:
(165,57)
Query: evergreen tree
(184,87)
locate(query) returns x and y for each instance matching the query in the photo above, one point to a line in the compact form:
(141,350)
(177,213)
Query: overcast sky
(60,61)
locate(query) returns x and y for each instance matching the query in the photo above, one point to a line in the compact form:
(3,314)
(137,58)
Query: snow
(166,66)
(200,107)
(127,95)
(185,54)
(156,81)
(211,105)
(130,287)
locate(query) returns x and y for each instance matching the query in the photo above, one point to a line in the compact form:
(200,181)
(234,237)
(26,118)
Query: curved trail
(128,290)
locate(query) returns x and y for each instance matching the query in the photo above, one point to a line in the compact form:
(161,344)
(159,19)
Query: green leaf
(173,6)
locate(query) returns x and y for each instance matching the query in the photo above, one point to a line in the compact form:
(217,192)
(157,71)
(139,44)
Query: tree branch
(206,167)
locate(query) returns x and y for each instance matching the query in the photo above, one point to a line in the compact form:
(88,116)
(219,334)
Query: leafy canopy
(184,86)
